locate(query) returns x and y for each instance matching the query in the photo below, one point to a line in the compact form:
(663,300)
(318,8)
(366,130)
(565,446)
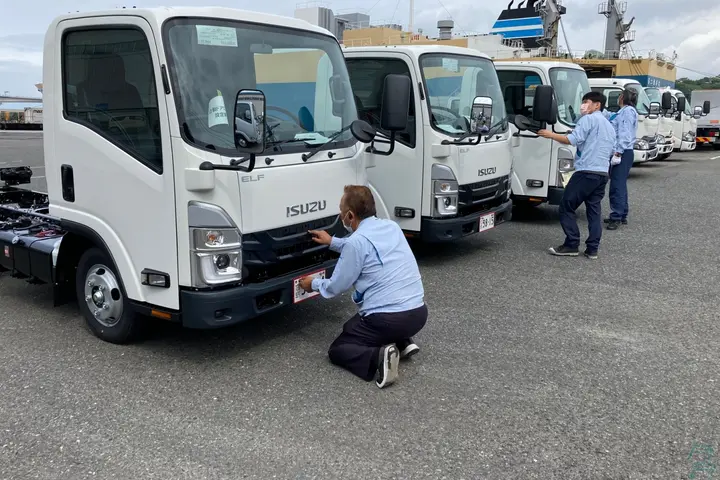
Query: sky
(689,27)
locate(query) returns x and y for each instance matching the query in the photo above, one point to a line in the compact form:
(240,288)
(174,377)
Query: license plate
(300,295)
(486,222)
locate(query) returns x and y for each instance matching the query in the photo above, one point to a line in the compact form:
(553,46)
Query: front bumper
(664,149)
(435,230)
(642,156)
(222,308)
(687,146)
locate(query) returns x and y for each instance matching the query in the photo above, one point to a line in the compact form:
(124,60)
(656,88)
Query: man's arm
(347,271)
(626,135)
(337,244)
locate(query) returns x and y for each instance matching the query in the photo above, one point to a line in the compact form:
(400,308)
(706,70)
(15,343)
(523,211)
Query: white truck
(667,119)
(541,166)
(684,123)
(649,142)
(33,115)
(449,173)
(153,206)
(707,117)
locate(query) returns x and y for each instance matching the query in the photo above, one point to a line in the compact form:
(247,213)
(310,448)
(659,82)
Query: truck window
(367,77)
(612,95)
(570,86)
(109,87)
(463,77)
(210,60)
(518,89)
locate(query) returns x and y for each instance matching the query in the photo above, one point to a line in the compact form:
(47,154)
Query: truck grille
(651,140)
(482,196)
(281,251)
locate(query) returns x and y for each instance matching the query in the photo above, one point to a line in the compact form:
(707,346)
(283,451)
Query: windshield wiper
(495,129)
(313,151)
(488,134)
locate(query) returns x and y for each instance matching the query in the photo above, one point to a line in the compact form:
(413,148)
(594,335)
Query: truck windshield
(570,86)
(654,95)
(210,60)
(452,82)
(643,101)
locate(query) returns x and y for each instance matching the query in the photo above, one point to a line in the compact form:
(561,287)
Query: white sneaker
(387,366)
(409,351)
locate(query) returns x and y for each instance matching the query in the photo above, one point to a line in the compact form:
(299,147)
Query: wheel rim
(242,142)
(103,296)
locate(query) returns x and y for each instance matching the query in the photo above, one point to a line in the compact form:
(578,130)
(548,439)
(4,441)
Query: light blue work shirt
(377,260)
(625,123)
(594,138)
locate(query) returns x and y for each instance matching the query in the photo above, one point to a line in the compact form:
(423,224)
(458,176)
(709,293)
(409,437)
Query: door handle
(67,179)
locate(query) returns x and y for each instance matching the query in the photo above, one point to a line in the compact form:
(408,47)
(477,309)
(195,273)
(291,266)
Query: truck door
(398,179)
(110,129)
(531,156)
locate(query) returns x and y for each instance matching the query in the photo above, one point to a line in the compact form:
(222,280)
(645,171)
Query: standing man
(377,260)
(594,139)
(625,123)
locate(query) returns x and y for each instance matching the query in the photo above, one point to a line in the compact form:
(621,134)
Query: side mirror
(654,108)
(362,131)
(250,137)
(481,115)
(395,103)
(338,95)
(697,111)
(393,112)
(706,107)
(544,106)
(666,103)
(682,104)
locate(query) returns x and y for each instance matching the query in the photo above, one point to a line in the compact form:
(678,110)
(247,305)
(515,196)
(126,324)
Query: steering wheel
(286,112)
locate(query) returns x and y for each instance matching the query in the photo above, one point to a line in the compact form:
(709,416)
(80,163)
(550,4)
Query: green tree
(687,85)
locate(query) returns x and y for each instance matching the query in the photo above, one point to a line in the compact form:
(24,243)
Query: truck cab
(684,125)
(648,142)
(159,203)
(448,175)
(708,118)
(667,119)
(542,167)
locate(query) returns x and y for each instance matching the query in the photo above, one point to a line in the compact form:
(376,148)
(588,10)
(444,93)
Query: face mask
(584,108)
(347,227)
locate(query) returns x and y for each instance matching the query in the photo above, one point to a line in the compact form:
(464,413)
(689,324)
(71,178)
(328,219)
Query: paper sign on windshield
(450,64)
(216,36)
(217,115)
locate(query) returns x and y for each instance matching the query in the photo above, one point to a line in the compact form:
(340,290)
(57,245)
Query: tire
(102,298)
(664,156)
(716,146)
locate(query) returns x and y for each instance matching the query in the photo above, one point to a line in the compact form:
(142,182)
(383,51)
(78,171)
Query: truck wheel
(102,299)
(716,146)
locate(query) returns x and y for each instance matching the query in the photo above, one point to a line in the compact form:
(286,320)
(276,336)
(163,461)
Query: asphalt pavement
(531,367)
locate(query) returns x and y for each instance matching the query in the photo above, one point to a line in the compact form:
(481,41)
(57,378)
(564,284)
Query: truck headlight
(216,252)
(641,145)
(688,137)
(660,139)
(445,191)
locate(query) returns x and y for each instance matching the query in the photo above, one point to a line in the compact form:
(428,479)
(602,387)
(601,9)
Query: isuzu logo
(305,208)
(487,171)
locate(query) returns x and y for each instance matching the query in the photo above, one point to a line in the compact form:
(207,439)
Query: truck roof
(159,15)
(611,82)
(417,50)
(548,64)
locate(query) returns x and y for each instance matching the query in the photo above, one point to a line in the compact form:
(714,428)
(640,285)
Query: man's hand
(306,283)
(545,133)
(321,237)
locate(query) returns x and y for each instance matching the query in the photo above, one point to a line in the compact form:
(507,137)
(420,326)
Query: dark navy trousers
(618,186)
(358,346)
(587,188)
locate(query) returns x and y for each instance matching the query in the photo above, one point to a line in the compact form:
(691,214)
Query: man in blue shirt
(377,260)
(594,138)
(625,123)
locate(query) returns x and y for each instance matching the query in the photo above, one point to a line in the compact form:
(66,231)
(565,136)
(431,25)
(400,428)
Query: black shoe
(613,225)
(563,251)
(608,220)
(407,349)
(591,255)
(387,366)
